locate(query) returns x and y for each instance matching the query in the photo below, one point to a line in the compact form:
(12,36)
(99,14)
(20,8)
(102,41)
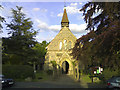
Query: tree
(101,45)
(108,12)
(40,51)
(2,19)
(18,47)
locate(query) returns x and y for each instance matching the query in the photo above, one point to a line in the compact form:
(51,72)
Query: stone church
(59,48)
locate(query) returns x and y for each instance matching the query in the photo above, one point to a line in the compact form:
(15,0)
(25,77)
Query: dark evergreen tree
(2,19)
(18,47)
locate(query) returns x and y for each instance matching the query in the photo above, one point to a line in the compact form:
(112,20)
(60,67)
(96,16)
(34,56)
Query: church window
(60,46)
(65,44)
(70,44)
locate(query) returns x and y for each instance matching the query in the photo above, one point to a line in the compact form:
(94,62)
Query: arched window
(69,44)
(60,47)
(65,44)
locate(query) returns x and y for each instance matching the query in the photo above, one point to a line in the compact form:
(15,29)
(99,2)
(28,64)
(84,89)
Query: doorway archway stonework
(70,70)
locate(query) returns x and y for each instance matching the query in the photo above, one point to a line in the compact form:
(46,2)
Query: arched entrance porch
(66,66)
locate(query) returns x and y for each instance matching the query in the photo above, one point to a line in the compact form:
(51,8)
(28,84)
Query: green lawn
(42,76)
(87,79)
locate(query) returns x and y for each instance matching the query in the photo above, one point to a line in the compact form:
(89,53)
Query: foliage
(73,63)
(17,71)
(40,51)
(2,19)
(49,72)
(108,73)
(107,13)
(17,48)
(54,64)
(101,46)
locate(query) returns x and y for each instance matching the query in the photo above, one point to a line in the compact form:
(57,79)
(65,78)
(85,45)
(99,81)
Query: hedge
(17,71)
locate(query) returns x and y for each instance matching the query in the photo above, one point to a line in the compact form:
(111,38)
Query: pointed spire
(65,18)
(65,21)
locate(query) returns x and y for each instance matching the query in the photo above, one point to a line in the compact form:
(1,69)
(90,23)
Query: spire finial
(64,3)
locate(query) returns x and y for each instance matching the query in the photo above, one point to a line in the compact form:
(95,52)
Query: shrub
(107,73)
(49,72)
(17,71)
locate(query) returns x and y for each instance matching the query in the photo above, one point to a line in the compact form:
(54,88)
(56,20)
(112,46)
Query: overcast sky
(47,17)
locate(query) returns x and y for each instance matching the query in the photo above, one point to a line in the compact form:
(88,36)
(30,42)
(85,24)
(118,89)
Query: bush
(17,71)
(107,73)
(49,72)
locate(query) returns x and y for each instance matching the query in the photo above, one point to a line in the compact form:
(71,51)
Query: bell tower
(65,21)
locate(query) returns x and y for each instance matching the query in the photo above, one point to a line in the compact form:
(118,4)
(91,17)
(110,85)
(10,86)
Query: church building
(59,49)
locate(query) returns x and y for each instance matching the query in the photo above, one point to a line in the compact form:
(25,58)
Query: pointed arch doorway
(65,67)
